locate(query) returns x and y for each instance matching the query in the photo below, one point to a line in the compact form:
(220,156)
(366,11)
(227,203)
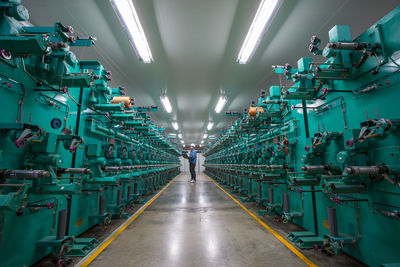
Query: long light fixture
(202,142)
(180,136)
(129,19)
(221,103)
(175,125)
(167,105)
(261,22)
(205,136)
(210,125)
(182,141)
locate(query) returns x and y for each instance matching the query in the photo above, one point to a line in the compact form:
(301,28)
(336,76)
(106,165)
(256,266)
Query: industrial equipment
(323,153)
(74,152)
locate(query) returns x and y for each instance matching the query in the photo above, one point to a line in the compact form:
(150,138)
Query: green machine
(74,152)
(323,153)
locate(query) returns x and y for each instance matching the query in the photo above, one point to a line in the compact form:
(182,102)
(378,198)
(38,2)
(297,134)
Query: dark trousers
(192,167)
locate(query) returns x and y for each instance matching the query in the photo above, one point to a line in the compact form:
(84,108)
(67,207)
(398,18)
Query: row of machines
(74,152)
(324,151)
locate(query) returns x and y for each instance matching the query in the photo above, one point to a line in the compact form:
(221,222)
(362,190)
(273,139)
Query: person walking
(192,163)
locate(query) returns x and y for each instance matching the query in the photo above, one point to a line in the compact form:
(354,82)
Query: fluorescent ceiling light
(210,125)
(182,141)
(180,136)
(205,136)
(202,142)
(221,103)
(192,145)
(263,19)
(175,125)
(129,19)
(167,105)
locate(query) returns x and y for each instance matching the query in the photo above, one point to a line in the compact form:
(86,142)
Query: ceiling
(195,44)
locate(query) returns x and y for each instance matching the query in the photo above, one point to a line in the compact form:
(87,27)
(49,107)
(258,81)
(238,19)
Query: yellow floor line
(89,258)
(280,238)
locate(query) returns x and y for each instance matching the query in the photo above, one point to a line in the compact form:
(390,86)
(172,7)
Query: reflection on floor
(195,225)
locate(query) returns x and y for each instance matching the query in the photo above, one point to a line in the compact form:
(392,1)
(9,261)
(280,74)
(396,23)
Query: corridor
(195,225)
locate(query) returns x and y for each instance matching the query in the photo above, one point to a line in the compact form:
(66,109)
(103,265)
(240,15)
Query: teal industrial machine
(324,152)
(74,152)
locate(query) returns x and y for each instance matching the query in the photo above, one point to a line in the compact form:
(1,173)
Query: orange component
(253,111)
(125,99)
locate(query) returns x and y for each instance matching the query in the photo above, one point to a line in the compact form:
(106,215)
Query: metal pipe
(76,170)
(126,167)
(314,168)
(271,195)
(305,181)
(358,170)
(61,225)
(333,227)
(24,174)
(347,188)
(259,192)
(286,202)
(347,46)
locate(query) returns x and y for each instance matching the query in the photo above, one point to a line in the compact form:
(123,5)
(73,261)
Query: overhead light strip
(167,105)
(221,103)
(210,125)
(175,125)
(261,22)
(129,19)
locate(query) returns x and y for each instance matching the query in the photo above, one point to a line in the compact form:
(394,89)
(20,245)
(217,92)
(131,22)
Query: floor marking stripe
(280,238)
(94,253)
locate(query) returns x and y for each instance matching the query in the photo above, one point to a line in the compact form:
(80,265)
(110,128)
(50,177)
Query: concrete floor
(195,225)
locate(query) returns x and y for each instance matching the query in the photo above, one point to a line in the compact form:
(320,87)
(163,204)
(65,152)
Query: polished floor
(195,225)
